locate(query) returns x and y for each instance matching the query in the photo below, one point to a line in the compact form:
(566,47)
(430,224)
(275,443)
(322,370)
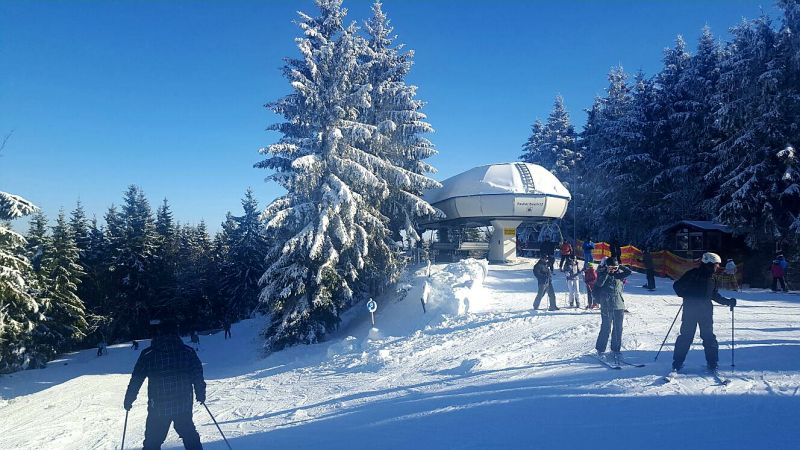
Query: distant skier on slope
(566,251)
(588,246)
(573,283)
(544,276)
(173,370)
(608,293)
(778,270)
(590,277)
(698,287)
(650,269)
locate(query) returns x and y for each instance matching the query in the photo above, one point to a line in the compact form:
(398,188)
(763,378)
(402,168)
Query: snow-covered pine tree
(558,149)
(95,286)
(752,115)
(329,220)
(132,261)
(19,310)
(689,87)
(560,143)
(247,247)
(533,150)
(641,166)
(38,240)
(79,226)
(165,262)
(66,324)
(396,125)
(607,148)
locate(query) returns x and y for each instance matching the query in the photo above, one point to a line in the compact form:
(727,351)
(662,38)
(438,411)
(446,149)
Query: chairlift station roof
(516,190)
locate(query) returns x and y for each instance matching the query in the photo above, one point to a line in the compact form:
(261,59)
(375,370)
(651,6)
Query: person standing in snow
(777,276)
(573,283)
(173,369)
(650,269)
(730,273)
(785,266)
(698,288)
(226,325)
(588,246)
(548,249)
(102,348)
(616,250)
(590,277)
(566,251)
(608,292)
(544,277)
(135,344)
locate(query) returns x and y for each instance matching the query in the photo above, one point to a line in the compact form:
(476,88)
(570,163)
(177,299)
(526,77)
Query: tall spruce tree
(165,262)
(534,150)
(560,142)
(66,322)
(752,116)
(692,131)
(396,125)
(247,246)
(19,309)
(132,255)
(329,222)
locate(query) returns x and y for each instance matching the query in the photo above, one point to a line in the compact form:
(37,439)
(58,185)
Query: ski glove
(127,405)
(201,397)
(732,303)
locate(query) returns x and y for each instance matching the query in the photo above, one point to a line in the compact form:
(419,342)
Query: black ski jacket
(699,286)
(173,369)
(541,270)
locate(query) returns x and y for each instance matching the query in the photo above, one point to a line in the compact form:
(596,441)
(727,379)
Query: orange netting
(665,262)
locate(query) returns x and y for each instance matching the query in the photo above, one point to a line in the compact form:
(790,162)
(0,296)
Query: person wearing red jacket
(589,277)
(778,275)
(566,251)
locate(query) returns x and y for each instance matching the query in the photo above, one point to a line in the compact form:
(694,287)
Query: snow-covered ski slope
(479,370)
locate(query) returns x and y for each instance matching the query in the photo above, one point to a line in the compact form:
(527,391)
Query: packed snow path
(478,370)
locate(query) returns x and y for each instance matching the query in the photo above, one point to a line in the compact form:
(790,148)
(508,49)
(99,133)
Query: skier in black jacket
(173,369)
(544,275)
(698,287)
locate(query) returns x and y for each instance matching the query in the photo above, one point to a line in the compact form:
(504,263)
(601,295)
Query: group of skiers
(604,286)
(175,372)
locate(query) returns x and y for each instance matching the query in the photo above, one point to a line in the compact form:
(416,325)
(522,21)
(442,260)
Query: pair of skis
(617,364)
(719,380)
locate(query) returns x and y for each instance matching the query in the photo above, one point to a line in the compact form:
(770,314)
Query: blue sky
(169,95)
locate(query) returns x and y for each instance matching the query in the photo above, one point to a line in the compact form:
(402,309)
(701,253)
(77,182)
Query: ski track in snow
(479,370)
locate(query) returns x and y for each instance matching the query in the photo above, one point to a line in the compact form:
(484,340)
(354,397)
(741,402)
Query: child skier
(590,277)
(573,283)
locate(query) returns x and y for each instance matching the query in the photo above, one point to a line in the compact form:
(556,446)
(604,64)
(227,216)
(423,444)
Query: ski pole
(124,429)
(218,428)
(668,332)
(733,342)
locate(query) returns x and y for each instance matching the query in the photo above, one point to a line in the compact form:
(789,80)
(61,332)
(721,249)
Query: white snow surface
(478,370)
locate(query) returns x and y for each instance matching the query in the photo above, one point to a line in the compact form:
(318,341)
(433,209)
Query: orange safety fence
(665,263)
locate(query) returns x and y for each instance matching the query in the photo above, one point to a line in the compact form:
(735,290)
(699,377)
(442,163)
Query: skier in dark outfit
(544,275)
(697,287)
(173,369)
(608,292)
(650,269)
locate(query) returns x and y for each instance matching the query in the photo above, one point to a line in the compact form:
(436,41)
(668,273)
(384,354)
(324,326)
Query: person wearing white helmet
(698,288)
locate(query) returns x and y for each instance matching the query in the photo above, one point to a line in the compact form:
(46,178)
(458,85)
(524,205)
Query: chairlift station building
(501,195)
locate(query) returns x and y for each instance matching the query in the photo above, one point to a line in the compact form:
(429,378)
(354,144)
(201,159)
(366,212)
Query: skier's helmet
(711,258)
(612,262)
